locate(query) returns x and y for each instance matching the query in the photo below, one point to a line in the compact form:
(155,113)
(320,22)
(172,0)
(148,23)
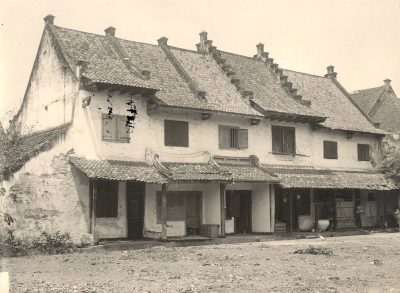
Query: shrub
(11,246)
(53,243)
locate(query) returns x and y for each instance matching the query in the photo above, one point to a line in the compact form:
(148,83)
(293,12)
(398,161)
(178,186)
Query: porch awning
(118,170)
(245,169)
(310,177)
(196,172)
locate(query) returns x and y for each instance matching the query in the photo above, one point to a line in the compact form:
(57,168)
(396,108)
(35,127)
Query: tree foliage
(391,162)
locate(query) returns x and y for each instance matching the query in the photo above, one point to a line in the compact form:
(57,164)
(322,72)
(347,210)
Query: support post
(94,207)
(222,192)
(164,211)
(272,206)
(291,209)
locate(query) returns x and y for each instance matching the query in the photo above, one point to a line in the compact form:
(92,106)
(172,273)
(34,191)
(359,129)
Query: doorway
(193,212)
(238,206)
(135,192)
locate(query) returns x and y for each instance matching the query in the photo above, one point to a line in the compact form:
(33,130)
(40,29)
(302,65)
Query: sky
(361,38)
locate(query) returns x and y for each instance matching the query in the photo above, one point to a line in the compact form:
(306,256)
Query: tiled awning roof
(309,177)
(16,151)
(197,172)
(245,169)
(119,170)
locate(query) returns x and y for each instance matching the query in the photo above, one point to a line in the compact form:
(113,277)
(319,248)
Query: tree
(391,162)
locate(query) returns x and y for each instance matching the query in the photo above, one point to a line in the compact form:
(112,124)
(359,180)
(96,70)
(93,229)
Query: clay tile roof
(367,98)
(118,170)
(329,100)
(309,177)
(381,105)
(196,172)
(19,150)
(104,65)
(257,77)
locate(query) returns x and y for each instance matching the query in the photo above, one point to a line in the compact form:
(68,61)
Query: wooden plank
(223,207)
(164,212)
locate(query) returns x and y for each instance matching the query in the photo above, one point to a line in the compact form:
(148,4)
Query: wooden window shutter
(330,149)
(288,140)
(243,139)
(176,133)
(363,152)
(123,130)
(109,128)
(277,137)
(224,134)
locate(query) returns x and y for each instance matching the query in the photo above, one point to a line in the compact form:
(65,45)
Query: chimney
(49,19)
(260,50)
(163,41)
(387,81)
(110,31)
(331,72)
(205,45)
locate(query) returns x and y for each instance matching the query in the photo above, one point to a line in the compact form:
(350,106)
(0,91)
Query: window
(283,140)
(176,133)
(107,199)
(230,137)
(115,128)
(363,152)
(330,150)
(176,210)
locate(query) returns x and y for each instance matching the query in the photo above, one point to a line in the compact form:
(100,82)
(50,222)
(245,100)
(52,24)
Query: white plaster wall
(115,227)
(52,84)
(203,136)
(261,209)
(347,149)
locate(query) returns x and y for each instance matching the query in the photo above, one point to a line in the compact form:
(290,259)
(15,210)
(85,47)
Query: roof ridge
(305,73)
(368,89)
(103,36)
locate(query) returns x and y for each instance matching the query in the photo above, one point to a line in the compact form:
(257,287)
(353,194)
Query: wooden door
(193,212)
(135,192)
(240,209)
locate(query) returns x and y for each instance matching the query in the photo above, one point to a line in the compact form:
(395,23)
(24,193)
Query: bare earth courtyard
(358,264)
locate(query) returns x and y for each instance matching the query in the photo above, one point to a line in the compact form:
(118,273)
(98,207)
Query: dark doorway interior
(238,203)
(135,192)
(193,212)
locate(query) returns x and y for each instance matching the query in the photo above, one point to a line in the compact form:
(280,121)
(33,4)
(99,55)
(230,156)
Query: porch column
(164,211)
(94,208)
(222,193)
(312,205)
(272,206)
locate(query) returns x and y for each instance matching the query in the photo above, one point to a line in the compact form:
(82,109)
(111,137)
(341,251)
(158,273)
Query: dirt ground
(359,264)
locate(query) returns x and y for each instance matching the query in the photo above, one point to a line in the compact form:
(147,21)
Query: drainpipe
(222,194)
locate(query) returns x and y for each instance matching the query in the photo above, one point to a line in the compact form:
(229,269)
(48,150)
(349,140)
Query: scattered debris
(314,250)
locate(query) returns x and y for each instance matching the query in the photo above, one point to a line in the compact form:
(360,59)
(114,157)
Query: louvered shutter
(224,137)
(109,128)
(243,140)
(277,139)
(288,141)
(123,130)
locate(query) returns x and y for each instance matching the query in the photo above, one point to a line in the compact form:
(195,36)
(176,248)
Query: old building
(122,139)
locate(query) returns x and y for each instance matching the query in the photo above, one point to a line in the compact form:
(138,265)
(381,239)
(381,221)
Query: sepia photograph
(199,146)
